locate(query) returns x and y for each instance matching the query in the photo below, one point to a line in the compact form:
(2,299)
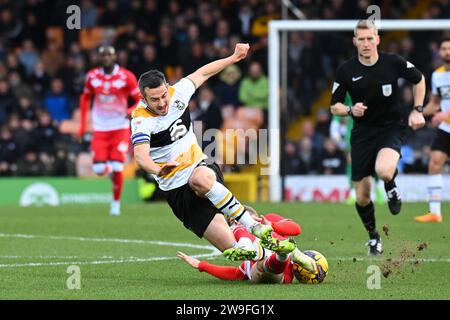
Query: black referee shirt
(376,86)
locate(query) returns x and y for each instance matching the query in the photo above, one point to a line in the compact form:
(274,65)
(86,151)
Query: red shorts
(110,145)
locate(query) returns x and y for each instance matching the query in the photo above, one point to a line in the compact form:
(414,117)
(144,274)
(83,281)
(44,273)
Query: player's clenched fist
(416,120)
(358,109)
(241,50)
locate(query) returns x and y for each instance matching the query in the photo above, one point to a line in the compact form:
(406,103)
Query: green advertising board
(61,191)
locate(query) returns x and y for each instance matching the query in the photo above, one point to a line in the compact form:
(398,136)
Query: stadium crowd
(43,67)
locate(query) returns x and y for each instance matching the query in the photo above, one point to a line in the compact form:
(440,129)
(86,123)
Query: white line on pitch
(126,260)
(161,243)
(214,252)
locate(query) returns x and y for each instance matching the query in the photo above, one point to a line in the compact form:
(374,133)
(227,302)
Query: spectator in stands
(28,57)
(9,149)
(31,165)
(331,160)
(89,14)
(111,16)
(39,80)
(309,131)
(47,134)
(7,101)
(27,110)
(57,102)
(227,89)
(254,90)
(292,161)
(211,115)
(52,58)
(308,157)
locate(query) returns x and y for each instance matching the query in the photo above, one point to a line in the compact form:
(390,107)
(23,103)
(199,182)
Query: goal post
(275,27)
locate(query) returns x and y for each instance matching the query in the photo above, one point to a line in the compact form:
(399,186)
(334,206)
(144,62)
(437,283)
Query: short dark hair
(151,79)
(442,40)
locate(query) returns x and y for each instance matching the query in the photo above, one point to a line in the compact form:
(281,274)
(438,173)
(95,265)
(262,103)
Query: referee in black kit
(377,136)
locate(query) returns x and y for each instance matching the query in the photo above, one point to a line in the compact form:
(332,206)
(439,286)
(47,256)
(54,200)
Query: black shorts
(441,142)
(196,213)
(366,142)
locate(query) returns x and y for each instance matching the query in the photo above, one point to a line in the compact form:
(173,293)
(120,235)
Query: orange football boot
(429,217)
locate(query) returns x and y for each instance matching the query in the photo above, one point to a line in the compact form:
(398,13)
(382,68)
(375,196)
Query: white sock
(261,253)
(435,186)
(226,202)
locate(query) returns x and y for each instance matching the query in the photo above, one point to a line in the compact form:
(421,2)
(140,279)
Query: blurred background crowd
(43,66)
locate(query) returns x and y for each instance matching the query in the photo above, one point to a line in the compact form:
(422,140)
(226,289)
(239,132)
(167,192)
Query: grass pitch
(133,256)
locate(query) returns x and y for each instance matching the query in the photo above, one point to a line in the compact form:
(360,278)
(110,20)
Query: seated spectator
(30,165)
(308,130)
(39,79)
(291,159)
(28,57)
(9,149)
(308,157)
(331,160)
(211,116)
(57,102)
(7,101)
(227,90)
(254,90)
(47,133)
(26,109)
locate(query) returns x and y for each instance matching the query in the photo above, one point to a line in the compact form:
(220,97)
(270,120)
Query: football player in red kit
(269,267)
(109,86)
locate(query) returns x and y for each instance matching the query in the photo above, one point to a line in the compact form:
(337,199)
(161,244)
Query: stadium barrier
(61,191)
(243,185)
(413,188)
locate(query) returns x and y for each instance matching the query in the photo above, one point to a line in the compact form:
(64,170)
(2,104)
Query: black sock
(367,215)
(391,184)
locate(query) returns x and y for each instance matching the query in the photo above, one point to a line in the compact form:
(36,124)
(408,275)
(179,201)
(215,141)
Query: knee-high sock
(367,215)
(226,202)
(117,180)
(276,263)
(435,186)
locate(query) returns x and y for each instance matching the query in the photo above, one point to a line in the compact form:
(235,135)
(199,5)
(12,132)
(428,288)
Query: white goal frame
(275,190)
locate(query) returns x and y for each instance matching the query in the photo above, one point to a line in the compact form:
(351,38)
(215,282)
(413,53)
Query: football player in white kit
(166,147)
(440,148)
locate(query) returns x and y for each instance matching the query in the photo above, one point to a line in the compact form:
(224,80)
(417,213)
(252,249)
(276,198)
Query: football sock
(391,184)
(240,232)
(367,215)
(435,186)
(276,263)
(226,202)
(117,185)
(261,253)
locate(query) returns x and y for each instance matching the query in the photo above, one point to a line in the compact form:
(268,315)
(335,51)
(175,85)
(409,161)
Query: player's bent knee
(99,168)
(202,180)
(116,166)
(385,173)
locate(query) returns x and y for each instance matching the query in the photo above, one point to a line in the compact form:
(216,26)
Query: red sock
(241,232)
(117,185)
(273,265)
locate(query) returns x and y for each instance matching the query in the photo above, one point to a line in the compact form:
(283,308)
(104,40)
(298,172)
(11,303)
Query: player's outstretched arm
(207,71)
(193,262)
(221,272)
